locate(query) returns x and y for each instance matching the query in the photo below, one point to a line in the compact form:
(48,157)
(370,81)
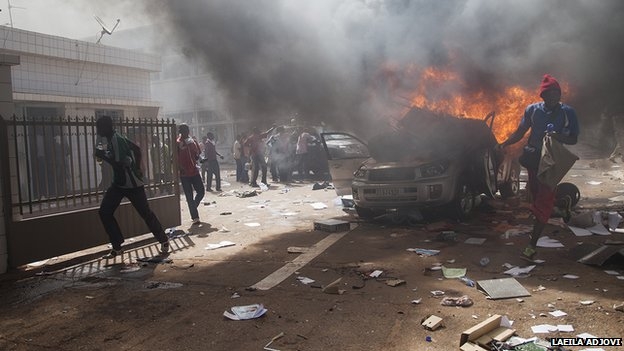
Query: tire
(464,203)
(568,189)
(511,187)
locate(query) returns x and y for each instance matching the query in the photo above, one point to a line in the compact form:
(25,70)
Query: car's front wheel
(511,187)
(464,204)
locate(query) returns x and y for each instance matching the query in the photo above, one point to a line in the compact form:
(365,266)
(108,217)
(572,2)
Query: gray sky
(70,18)
(344,60)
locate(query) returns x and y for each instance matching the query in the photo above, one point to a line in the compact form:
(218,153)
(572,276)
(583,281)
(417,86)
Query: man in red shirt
(188,154)
(255,142)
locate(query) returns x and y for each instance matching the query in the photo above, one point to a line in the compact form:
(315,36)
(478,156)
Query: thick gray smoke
(329,60)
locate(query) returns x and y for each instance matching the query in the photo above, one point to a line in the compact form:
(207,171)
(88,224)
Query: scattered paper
(612,272)
(566,328)
(318,205)
(599,229)
(571,276)
(417,301)
(557,313)
(252,224)
(437,293)
(453,273)
(223,243)
(245,312)
(305,280)
(580,231)
(545,241)
(475,241)
(586,302)
(614,219)
(519,270)
(375,273)
(543,328)
(425,252)
(593,182)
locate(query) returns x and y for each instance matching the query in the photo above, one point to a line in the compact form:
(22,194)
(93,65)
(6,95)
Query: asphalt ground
(81,302)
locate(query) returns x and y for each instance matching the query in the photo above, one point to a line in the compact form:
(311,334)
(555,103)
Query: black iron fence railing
(52,167)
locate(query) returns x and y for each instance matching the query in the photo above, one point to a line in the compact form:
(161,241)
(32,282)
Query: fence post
(7,109)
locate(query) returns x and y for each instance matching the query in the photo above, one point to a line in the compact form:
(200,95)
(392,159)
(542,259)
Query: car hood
(372,163)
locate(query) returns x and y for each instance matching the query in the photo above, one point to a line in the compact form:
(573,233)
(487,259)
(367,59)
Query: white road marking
(288,269)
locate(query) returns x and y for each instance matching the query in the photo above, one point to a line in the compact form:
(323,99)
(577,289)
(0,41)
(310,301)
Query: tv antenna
(11,12)
(105,29)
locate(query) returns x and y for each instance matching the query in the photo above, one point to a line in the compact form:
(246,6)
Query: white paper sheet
(543,328)
(567,328)
(548,242)
(580,231)
(599,229)
(557,313)
(517,270)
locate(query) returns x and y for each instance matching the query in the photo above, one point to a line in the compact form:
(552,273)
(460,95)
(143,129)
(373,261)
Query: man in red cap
(548,117)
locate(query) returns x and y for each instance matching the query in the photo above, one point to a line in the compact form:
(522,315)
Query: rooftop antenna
(105,29)
(11,12)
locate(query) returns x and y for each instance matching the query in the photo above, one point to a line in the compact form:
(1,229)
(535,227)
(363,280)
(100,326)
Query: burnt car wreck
(429,162)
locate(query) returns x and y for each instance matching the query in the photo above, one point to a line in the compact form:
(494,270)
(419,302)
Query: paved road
(129,305)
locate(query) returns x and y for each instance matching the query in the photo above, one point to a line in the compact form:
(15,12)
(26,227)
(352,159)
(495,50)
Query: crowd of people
(550,122)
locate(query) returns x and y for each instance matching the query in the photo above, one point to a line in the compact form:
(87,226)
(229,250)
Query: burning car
(429,161)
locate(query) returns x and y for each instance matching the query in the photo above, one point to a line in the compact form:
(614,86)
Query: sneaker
(528,254)
(164,247)
(112,254)
(209,189)
(219,189)
(196,221)
(254,185)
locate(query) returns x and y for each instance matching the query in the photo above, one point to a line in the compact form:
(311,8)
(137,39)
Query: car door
(345,153)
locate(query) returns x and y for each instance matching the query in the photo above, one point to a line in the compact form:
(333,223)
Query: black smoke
(323,59)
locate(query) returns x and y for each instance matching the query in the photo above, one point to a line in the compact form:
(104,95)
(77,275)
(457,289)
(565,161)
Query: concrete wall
(6,110)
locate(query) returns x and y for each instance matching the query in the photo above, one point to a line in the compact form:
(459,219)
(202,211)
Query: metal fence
(54,170)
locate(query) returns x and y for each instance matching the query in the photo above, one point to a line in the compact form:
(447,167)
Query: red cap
(549,83)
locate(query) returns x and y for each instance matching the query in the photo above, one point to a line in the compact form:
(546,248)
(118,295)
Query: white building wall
(60,70)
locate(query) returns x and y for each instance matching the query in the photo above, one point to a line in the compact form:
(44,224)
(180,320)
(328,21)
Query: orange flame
(508,104)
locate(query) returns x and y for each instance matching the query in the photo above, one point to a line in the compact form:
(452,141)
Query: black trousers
(213,168)
(137,197)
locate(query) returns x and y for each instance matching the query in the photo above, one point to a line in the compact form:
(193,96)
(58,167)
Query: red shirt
(256,144)
(188,154)
(210,152)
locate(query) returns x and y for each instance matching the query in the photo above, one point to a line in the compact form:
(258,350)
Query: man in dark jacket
(123,155)
(560,122)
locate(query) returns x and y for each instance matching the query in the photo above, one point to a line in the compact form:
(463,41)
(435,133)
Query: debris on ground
(267,348)
(504,288)
(297,249)
(453,273)
(221,244)
(395,282)
(462,301)
(424,252)
(305,280)
(432,322)
(161,285)
(482,336)
(245,312)
(154,259)
(332,225)
(332,288)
